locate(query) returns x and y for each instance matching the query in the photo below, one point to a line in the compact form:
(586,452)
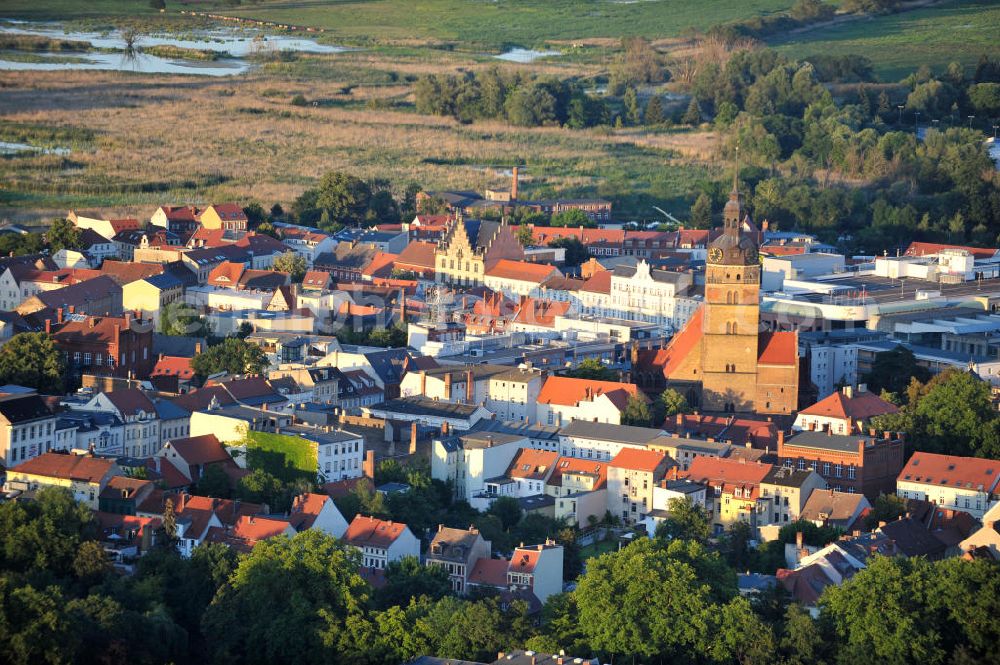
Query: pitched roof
(316,279)
(832,506)
(130,401)
(723,472)
(453,544)
(372,532)
(580,466)
(569,391)
(380,265)
(777,348)
(178,366)
(92,329)
(126,272)
(418,255)
(951,471)
(668,360)
(532,464)
(80,294)
(247,532)
(925,248)
(229,211)
(860,406)
(534,311)
(23,409)
(521,270)
(226,274)
(305,509)
(599,282)
(636,459)
(72,467)
(489,572)
(204,449)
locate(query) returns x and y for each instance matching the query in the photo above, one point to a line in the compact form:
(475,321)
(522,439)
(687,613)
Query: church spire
(732,214)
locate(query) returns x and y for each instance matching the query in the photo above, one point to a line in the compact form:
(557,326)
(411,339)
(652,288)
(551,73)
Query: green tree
(292,596)
(525,236)
(692,116)
(687,521)
(654,112)
(801,642)
(893,370)
(63,234)
(956,416)
(256,215)
(885,508)
(44,535)
(985,99)
(392,337)
(882,613)
(91,561)
(407,579)
(268,229)
(630,102)
(701,212)
(615,594)
(213,482)
(742,637)
(293,263)
(576,251)
(33,360)
(592,369)
(169,522)
(637,412)
(673,402)
(508,510)
(182,320)
(572,218)
(233,355)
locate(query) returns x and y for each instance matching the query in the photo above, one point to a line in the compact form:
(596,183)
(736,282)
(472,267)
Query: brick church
(721,360)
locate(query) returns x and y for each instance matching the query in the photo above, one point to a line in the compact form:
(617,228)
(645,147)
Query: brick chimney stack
(447,386)
(513,183)
(413,438)
(368,468)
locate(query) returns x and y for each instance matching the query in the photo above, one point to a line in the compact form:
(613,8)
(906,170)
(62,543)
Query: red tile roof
(247,532)
(861,406)
(778,348)
(131,401)
(204,449)
(532,311)
(305,509)
(579,465)
(761,433)
(179,213)
(635,459)
(925,248)
(102,331)
(380,265)
(569,391)
(372,532)
(316,279)
(70,467)
(668,360)
(226,274)
(600,282)
(521,270)
(174,366)
(524,560)
(532,464)
(419,255)
(203,237)
(489,572)
(124,273)
(228,211)
(951,471)
(198,400)
(728,474)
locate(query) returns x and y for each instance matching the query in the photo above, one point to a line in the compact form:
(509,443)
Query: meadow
(955,30)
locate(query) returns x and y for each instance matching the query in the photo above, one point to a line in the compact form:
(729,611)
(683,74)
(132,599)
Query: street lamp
(995,127)
(971,118)
(900,107)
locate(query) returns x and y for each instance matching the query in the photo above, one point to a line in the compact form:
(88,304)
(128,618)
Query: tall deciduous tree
(701,212)
(33,360)
(63,234)
(687,521)
(233,355)
(293,263)
(637,412)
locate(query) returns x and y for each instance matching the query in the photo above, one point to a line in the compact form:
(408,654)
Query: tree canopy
(233,355)
(33,360)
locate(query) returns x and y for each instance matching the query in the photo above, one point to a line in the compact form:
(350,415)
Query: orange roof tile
(524,560)
(682,344)
(226,273)
(417,255)
(489,572)
(578,465)
(72,467)
(316,279)
(778,348)
(521,270)
(725,473)
(533,311)
(204,449)
(600,282)
(569,391)
(178,366)
(925,248)
(532,464)
(305,509)
(861,406)
(381,264)
(951,471)
(372,532)
(640,460)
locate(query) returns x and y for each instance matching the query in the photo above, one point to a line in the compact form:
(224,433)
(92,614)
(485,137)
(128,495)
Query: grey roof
(321,437)
(665,276)
(474,440)
(424,406)
(607,432)
(696,445)
(24,409)
(824,441)
(459,371)
(166,410)
(164,281)
(684,486)
(518,428)
(536,501)
(835,506)
(177,345)
(786,477)
(451,544)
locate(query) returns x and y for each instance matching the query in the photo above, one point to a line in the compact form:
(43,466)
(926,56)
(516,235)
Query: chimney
(413,438)
(444,428)
(128,318)
(59,315)
(781,439)
(423,382)
(849,392)
(887,435)
(798,540)
(470,387)
(197,348)
(72,309)
(90,321)
(513,183)
(680,420)
(368,468)
(48,326)
(447,386)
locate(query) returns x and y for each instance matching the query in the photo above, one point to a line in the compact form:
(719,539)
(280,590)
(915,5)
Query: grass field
(957,30)
(285,457)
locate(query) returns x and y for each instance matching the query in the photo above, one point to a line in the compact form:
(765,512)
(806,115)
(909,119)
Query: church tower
(732,316)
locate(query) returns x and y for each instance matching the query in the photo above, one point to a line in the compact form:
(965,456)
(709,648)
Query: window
(802,465)
(851,472)
(826,468)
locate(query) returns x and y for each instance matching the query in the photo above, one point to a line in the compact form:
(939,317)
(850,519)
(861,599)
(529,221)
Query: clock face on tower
(715,255)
